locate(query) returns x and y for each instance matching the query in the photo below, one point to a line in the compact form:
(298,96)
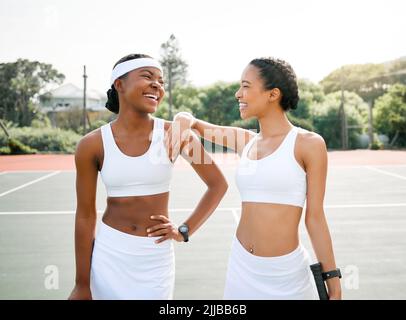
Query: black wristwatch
(331,274)
(184,231)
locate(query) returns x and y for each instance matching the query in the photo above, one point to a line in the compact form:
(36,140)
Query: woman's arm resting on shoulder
(85,221)
(315,220)
(234,138)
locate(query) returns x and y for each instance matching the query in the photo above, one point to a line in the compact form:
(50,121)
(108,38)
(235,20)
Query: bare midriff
(269,230)
(132,215)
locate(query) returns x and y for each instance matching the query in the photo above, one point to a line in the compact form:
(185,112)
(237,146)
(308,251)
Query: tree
(309,93)
(185,98)
(175,68)
(326,118)
(369,81)
(364,79)
(219,104)
(390,114)
(20,84)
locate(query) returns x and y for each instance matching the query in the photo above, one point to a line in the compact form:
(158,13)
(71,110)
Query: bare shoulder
(310,141)
(91,144)
(91,139)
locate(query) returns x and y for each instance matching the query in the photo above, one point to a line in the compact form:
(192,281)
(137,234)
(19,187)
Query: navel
(251,249)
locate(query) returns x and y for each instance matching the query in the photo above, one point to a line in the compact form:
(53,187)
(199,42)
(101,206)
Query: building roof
(69,91)
(68,95)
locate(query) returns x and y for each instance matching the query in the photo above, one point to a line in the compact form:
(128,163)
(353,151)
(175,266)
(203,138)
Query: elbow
(315,220)
(311,220)
(224,187)
(86,213)
(220,186)
(223,184)
(308,224)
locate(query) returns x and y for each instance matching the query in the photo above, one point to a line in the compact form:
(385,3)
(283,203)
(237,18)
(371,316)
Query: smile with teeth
(243,105)
(151,96)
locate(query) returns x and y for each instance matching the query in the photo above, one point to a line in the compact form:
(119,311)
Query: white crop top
(147,174)
(276,178)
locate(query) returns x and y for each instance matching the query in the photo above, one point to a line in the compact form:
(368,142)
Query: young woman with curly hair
(132,254)
(281,168)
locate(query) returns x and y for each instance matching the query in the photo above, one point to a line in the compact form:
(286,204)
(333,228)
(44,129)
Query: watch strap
(332,274)
(185,235)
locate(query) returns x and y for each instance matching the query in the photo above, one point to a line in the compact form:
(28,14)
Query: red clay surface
(37,162)
(336,158)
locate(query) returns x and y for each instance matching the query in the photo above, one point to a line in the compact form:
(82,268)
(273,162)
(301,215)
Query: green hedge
(43,140)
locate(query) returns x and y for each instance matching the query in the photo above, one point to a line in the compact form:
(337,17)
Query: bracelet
(331,274)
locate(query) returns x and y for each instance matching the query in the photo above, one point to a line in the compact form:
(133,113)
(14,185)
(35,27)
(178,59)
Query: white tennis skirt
(125,266)
(283,277)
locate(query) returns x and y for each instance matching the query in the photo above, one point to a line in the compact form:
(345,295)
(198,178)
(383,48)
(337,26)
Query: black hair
(277,73)
(112,95)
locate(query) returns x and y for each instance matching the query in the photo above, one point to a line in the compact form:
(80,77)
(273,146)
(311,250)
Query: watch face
(183,229)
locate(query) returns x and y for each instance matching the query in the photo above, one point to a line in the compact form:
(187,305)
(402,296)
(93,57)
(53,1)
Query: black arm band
(332,274)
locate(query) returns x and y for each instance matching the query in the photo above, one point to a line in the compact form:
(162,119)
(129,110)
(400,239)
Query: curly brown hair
(277,73)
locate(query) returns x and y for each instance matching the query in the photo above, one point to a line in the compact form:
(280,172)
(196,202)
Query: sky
(217,38)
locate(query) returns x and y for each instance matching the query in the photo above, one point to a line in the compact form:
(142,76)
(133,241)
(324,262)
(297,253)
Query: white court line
(350,166)
(36,171)
(30,183)
(233,210)
(36,212)
(391,166)
(191,209)
(4,172)
(330,166)
(98,211)
(235,215)
(376,205)
(386,172)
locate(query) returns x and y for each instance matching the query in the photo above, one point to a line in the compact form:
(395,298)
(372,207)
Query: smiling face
(254,100)
(142,89)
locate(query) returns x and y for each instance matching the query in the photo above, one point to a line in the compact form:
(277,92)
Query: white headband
(127,66)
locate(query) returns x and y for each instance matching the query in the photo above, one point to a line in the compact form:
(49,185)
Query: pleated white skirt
(285,277)
(125,266)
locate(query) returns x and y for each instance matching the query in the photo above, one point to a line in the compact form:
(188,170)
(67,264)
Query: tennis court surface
(365,206)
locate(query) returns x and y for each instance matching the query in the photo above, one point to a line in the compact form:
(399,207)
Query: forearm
(220,135)
(322,244)
(206,206)
(84,236)
(202,128)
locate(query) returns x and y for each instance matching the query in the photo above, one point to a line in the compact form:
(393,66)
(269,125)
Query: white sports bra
(147,174)
(276,178)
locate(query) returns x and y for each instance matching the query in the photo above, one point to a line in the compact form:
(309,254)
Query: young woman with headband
(132,255)
(280,168)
